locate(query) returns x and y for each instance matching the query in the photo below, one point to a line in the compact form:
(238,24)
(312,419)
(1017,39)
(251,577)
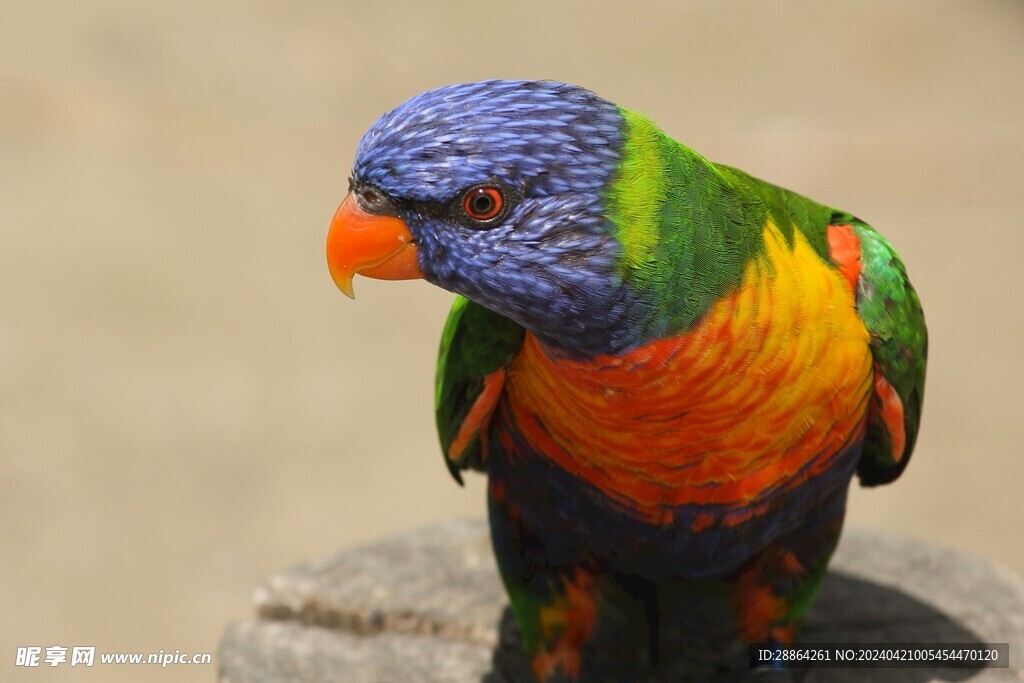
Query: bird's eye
(483,203)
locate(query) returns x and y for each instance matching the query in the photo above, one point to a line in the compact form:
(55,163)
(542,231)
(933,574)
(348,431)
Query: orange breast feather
(775,377)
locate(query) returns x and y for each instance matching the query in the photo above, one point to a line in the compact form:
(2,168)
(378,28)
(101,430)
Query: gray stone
(429,606)
(290,652)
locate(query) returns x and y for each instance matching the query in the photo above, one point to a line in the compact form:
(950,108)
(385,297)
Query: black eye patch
(479,207)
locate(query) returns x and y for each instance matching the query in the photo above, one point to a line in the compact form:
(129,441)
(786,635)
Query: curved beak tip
(341,274)
(345,285)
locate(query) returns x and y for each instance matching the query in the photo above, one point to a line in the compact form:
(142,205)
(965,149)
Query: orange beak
(375,246)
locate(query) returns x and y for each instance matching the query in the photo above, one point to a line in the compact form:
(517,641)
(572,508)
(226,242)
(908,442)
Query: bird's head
(498,191)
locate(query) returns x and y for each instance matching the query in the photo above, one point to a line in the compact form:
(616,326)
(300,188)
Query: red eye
(483,203)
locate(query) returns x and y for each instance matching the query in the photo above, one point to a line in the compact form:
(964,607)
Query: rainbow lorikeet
(669,370)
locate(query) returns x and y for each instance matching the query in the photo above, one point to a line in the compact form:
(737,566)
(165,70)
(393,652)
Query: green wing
(890,309)
(476,348)
(892,314)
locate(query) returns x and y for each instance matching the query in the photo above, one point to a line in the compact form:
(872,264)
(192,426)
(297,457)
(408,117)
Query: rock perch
(428,606)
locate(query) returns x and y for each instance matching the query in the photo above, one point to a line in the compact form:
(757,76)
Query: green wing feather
(476,343)
(888,306)
(892,313)
(886,302)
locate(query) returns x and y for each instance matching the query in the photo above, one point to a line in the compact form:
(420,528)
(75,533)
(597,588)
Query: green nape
(688,227)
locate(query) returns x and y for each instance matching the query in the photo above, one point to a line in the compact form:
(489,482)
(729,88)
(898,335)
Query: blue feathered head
(500,188)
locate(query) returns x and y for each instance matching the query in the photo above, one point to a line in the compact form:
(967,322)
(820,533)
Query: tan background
(186,401)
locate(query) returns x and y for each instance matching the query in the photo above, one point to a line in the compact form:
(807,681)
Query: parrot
(669,371)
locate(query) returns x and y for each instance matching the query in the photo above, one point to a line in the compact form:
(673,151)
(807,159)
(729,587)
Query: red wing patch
(890,409)
(479,415)
(844,248)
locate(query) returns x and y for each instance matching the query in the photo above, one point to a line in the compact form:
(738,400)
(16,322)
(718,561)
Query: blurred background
(188,404)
